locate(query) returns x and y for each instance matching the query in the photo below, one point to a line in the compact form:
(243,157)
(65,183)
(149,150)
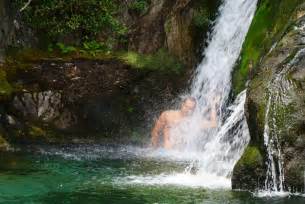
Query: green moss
(5,88)
(36,132)
(249,172)
(3,143)
(139,6)
(269,24)
(160,60)
(251,158)
(168,26)
(201,18)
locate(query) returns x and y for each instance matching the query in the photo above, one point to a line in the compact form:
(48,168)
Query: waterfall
(274,182)
(220,147)
(278,90)
(214,151)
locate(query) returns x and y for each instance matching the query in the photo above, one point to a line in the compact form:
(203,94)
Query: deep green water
(98,174)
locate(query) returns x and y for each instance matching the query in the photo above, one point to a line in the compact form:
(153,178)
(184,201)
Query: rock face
(275,109)
(3,144)
(6,28)
(179,32)
(100,98)
(57,100)
(170,24)
(165,24)
(12,32)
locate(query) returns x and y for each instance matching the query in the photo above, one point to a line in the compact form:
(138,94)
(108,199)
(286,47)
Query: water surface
(100,174)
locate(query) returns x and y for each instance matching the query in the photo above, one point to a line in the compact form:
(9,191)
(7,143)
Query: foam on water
(262,194)
(179,179)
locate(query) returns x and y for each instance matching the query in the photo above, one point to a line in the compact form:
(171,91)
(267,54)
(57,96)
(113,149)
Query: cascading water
(278,89)
(274,182)
(214,151)
(219,148)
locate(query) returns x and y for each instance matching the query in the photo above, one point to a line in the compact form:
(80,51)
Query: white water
(273,183)
(215,151)
(278,90)
(219,149)
(212,165)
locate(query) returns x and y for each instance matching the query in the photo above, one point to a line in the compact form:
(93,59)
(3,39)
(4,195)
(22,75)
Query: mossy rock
(251,157)
(3,143)
(279,77)
(160,61)
(251,162)
(269,24)
(41,133)
(37,132)
(5,88)
(294,178)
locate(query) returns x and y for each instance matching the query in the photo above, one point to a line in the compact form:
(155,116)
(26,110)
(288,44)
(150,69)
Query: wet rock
(280,79)
(249,172)
(3,144)
(88,98)
(42,105)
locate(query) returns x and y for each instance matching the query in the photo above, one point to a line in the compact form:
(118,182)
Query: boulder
(275,107)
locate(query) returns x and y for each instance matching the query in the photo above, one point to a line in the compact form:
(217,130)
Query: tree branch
(26,5)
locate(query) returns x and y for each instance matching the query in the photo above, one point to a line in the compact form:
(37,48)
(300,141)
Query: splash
(221,147)
(278,90)
(216,150)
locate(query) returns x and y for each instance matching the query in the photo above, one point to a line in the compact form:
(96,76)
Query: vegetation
(5,88)
(161,60)
(63,48)
(139,6)
(251,157)
(249,172)
(36,132)
(267,28)
(85,19)
(3,143)
(201,18)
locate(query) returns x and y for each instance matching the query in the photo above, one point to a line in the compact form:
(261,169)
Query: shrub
(65,49)
(201,18)
(59,18)
(94,47)
(139,6)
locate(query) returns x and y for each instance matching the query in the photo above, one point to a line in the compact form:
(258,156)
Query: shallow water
(100,174)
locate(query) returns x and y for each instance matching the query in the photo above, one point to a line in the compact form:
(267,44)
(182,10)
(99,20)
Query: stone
(280,75)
